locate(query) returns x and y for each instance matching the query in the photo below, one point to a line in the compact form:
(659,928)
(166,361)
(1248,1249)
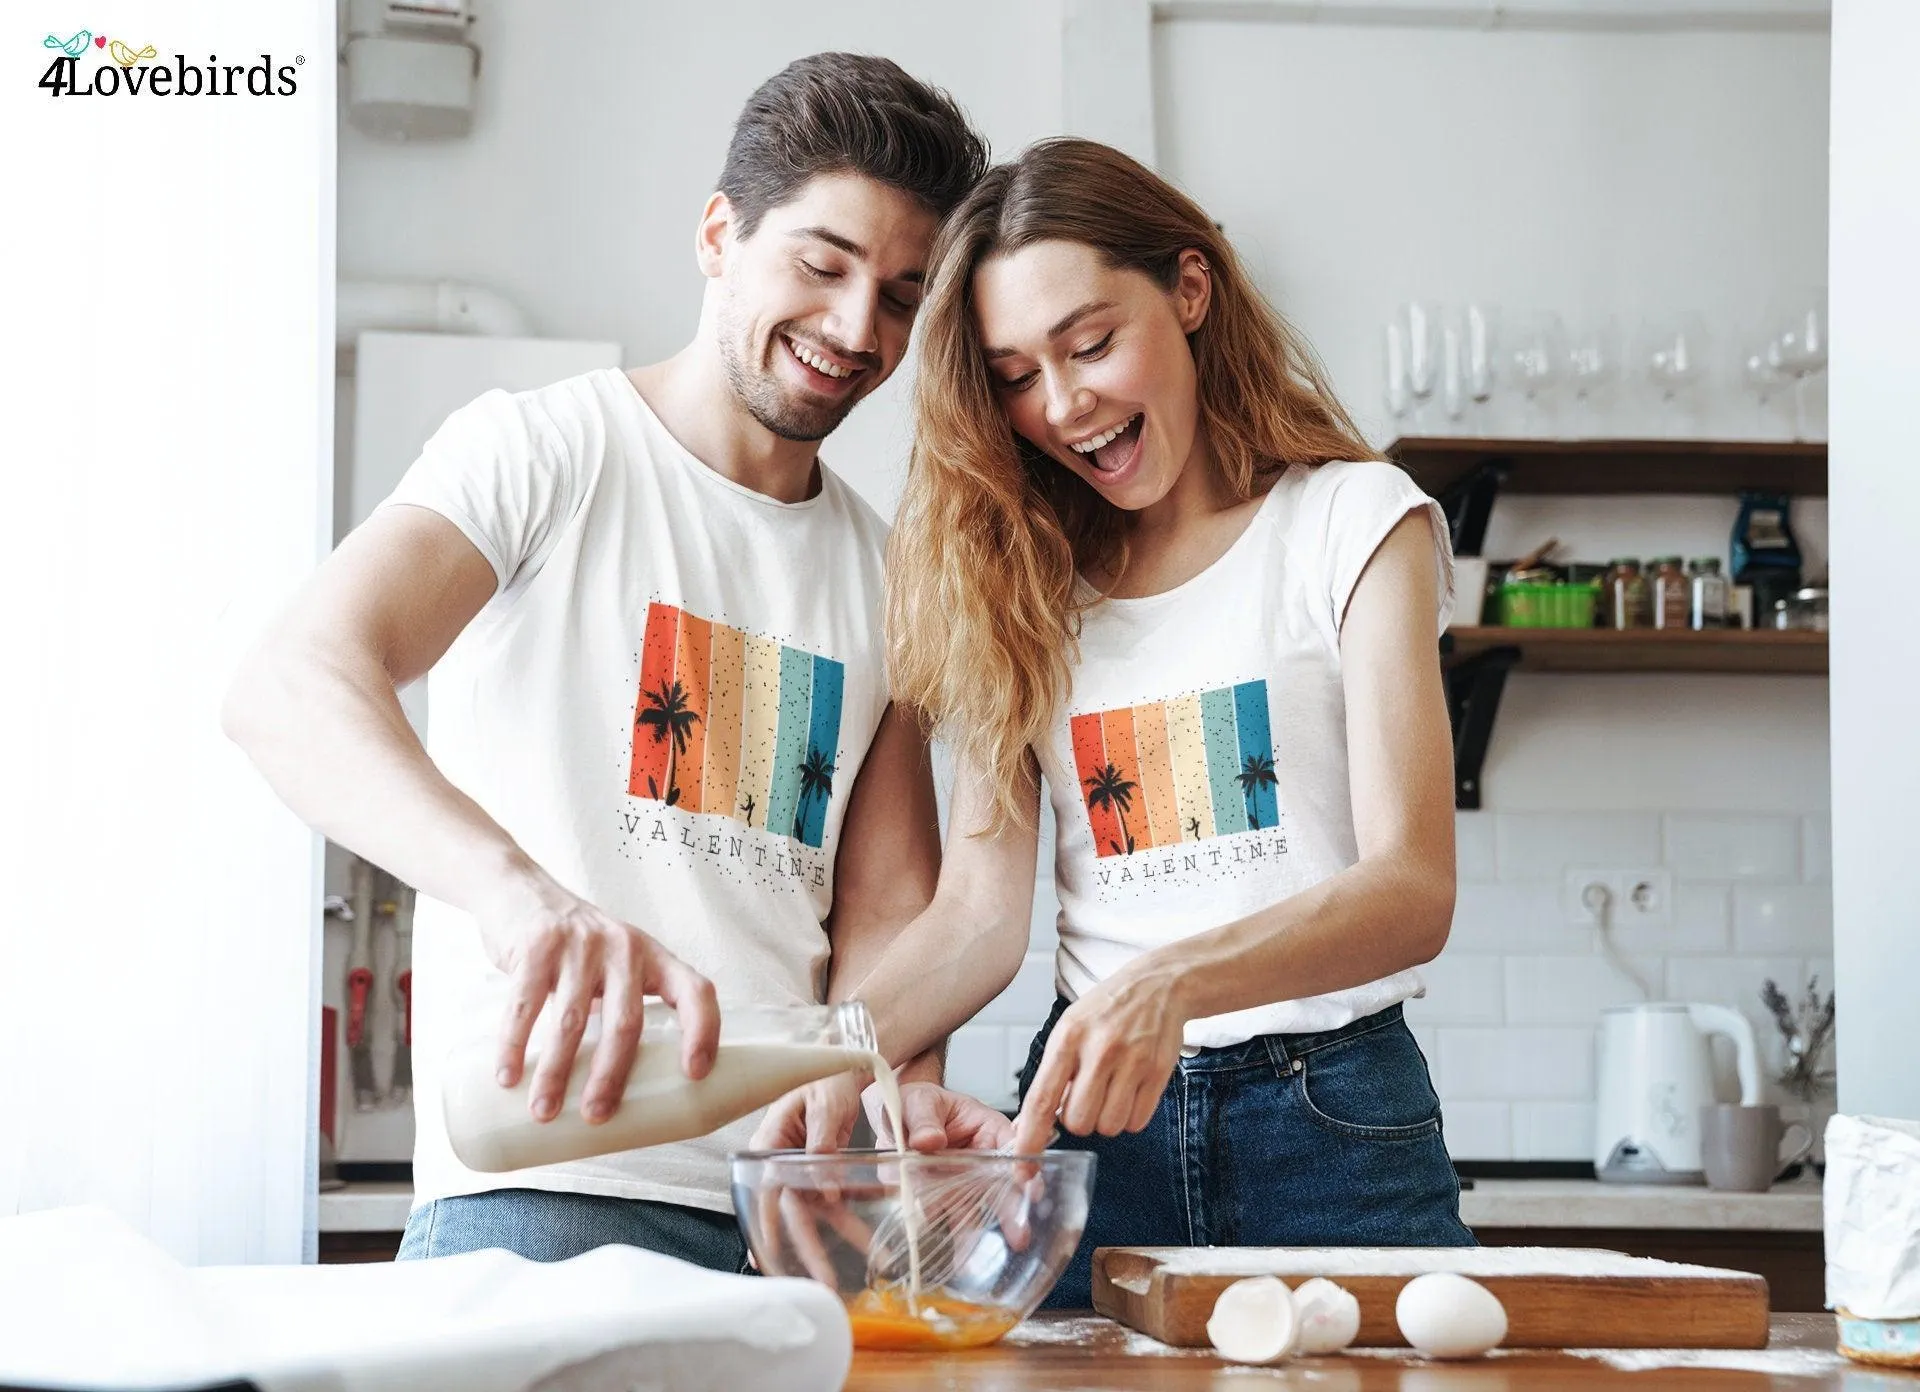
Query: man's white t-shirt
(1200,771)
(666,703)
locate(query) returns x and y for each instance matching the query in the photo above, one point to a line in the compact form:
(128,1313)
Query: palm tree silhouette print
(1193,827)
(1255,774)
(746,810)
(816,778)
(1108,789)
(669,717)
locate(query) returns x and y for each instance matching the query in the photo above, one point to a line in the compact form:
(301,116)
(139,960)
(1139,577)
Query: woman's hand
(1108,1060)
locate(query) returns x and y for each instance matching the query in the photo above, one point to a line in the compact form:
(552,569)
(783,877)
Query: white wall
(1876,662)
(166,489)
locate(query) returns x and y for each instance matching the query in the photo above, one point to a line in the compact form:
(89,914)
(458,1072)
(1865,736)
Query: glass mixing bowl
(936,1251)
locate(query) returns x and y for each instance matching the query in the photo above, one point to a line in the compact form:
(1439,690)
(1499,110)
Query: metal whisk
(949,1214)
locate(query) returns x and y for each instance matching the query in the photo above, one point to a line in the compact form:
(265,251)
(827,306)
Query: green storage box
(1548,606)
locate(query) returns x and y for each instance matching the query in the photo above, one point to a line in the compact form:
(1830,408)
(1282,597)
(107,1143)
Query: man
(663,757)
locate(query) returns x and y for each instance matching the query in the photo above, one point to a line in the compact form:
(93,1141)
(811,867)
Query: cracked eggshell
(1444,1315)
(1253,1321)
(1328,1316)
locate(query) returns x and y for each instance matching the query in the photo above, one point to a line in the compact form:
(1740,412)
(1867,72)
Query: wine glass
(1480,346)
(1593,365)
(1676,360)
(1422,374)
(1535,358)
(1761,375)
(1802,347)
(1453,367)
(1394,342)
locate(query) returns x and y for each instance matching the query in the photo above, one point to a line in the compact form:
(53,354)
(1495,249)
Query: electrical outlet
(1640,897)
(1585,893)
(1645,897)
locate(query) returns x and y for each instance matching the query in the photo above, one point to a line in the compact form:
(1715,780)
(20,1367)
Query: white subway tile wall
(1701,847)
(1483,1129)
(1509,1021)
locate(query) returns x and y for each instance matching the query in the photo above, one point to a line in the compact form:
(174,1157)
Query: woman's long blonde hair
(982,616)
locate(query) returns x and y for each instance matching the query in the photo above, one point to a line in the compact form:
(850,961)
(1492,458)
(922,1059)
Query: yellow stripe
(1188,745)
(760,728)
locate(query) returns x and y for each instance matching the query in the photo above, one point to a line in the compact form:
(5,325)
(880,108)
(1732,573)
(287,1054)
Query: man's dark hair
(848,113)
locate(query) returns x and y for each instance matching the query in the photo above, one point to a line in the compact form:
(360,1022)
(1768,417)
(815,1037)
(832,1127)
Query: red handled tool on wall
(366,1095)
(402,1088)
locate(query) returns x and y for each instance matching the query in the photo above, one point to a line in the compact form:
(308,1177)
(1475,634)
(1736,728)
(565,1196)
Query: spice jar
(1627,600)
(1805,609)
(1710,591)
(1671,593)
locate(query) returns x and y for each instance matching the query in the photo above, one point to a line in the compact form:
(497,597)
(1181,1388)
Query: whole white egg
(1444,1315)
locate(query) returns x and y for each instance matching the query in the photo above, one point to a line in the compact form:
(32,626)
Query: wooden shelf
(1620,466)
(1750,651)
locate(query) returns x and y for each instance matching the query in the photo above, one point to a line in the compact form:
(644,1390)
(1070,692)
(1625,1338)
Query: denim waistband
(1281,1049)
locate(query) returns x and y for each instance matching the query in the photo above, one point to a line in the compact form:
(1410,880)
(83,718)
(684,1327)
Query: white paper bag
(1872,1204)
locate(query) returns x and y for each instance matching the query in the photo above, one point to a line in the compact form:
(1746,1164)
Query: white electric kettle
(1656,1073)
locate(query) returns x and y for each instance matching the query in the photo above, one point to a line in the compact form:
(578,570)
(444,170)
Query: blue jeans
(1289,1140)
(546,1227)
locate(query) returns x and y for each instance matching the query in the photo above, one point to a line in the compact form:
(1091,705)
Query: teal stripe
(823,738)
(790,748)
(1223,761)
(1256,742)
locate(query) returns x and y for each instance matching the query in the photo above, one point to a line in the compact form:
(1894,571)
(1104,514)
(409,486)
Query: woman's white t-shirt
(1199,772)
(666,704)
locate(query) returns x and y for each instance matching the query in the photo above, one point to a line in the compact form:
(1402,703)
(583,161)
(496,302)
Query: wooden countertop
(1083,1351)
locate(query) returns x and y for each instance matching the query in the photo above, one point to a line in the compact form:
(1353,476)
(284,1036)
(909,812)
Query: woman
(1145,558)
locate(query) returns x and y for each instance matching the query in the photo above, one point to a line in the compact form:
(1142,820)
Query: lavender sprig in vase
(1806,1028)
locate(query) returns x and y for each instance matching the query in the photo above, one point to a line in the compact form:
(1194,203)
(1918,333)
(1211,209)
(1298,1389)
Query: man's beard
(766,400)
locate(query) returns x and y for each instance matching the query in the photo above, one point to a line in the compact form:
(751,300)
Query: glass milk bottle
(765,1051)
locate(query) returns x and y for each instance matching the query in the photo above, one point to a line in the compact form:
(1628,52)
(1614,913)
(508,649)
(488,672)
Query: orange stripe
(1089,756)
(1122,755)
(1156,773)
(648,777)
(693,663)
(720,779)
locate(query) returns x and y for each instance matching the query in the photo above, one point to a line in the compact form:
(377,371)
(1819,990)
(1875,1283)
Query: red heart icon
(99,41)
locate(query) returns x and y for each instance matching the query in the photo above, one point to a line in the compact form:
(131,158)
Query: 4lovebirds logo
(132,72)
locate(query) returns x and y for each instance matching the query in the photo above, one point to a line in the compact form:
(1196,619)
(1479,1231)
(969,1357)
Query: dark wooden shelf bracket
(1468,504)
(1474,687)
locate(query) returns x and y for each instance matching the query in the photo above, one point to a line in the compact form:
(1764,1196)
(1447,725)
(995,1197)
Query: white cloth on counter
(87,1302)
(1872,1203)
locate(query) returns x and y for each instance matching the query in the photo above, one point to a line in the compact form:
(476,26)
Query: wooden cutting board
(1556,1297)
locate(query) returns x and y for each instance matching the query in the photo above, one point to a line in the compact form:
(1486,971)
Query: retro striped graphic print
(735,725)
(1186,769)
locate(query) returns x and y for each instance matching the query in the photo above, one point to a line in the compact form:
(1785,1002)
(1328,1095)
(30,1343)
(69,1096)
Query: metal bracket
(1469,503)
(1474,686)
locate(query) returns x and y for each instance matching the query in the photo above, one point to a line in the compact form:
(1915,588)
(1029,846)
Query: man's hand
(939,1119)
(818,1117)
(554,943)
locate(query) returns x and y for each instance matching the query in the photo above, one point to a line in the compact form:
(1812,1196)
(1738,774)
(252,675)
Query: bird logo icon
(72,47)
(126,57)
